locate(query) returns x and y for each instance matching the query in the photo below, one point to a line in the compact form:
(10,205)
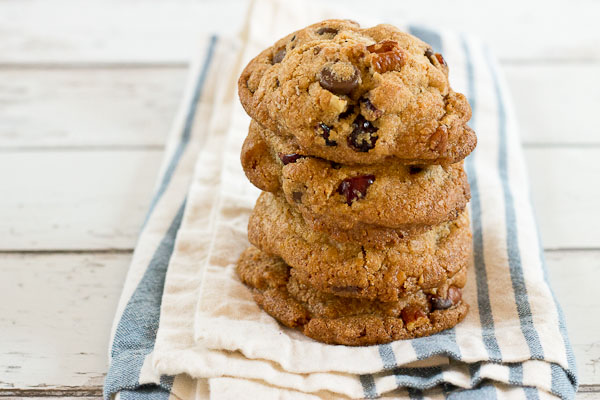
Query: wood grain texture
(555,103)
(97,199)
(126,31)
(124,107)
(88,107)
(86,99)
(56,312)
(74,199)
(565,194)
(571,274)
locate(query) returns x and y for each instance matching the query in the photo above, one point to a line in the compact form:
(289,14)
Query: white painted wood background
(88,91)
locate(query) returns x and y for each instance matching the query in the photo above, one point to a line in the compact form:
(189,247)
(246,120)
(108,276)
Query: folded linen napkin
(512,344)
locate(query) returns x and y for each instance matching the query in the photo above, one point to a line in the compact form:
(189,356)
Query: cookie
(352,269)
(351,202)
(358,96)
(335,320)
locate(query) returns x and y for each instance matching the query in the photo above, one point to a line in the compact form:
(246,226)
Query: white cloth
(513,342)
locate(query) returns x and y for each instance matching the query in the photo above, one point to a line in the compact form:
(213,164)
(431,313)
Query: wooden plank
(554,103)
(574,276)
(97,199)
(75,199)
(565,192)
(88,107)
(111,31)
(56,312)
(126,107)
(166,31)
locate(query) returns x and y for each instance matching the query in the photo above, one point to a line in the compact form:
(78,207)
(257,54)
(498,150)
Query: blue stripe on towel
(483,298)
(531,393)
(136,332)
(187,129)
(512,235)
(562,325)
(368,385)
(427,35)
(387,356)
(515,374)
(485,391)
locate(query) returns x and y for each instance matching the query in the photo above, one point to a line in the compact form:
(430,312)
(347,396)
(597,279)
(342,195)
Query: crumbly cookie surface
(356,322)
(359,199)
(352,269)
(358,96)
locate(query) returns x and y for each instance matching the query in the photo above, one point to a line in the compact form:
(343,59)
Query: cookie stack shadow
(361,235)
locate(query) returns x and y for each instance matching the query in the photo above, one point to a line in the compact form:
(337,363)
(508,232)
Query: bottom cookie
(338,320)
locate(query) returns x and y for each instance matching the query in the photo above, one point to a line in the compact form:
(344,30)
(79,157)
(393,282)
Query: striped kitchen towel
(186,327)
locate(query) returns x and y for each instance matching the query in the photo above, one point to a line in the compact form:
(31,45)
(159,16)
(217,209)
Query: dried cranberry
(289,158)
(324,131)
(369,108)
(355,188)
(362,137)
(440,59)
(349,111)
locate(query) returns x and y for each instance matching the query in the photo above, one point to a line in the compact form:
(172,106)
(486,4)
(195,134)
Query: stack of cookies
(361,235)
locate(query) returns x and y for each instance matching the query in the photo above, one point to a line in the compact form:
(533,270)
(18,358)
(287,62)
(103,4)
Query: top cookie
(359,96)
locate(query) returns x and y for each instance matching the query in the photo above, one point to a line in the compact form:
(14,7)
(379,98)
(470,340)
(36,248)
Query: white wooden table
(87,94)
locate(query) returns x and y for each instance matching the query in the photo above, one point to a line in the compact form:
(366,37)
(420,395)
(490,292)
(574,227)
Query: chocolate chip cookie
(358,96)
(336,320)
(351,202)
(353,269)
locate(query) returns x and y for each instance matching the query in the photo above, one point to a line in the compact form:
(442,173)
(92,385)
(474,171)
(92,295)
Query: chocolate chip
(438,303)
(346,289)
(355,188)
(362,137)
(335,165)
(428,53)
(339,78)
(293,38)
(297,196)
(349,111)
(324,131)
(278,56)
(453,297)
(414,169)
(327,30)
(289,158)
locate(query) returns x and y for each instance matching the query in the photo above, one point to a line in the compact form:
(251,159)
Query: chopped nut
(387,56)
(413,317)
(439,139)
